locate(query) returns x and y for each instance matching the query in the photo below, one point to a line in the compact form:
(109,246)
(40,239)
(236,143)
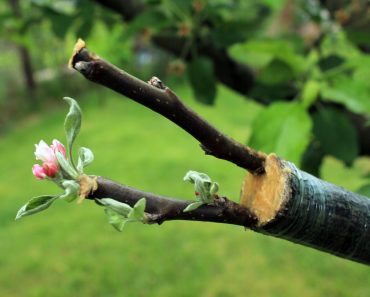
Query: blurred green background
(319,78)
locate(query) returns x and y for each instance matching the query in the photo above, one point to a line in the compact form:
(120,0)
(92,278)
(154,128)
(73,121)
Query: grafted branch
(166,103)
(277,198)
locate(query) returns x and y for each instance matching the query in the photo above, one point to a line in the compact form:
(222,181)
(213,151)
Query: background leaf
(202,79)
(336,134)
(282,128)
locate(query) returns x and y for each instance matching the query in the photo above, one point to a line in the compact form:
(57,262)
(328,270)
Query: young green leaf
(71,190)
(203,185)
(36,205)
(85,157)
(193,206)
(115,219)
(67,169)
(72,124)
(137,212)
(119,207)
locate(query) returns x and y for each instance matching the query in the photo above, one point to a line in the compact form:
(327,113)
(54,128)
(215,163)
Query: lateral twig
(161,208)
(165,102)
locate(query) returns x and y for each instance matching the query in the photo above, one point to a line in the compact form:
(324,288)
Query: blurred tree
(24,54)
(306,61)
(308,53)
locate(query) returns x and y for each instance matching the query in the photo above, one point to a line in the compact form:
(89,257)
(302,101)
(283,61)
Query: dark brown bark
(166,103)
(161,208)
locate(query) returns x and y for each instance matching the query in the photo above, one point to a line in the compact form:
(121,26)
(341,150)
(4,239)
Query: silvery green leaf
(137,212)
(36,205)
(191,176)
(85,157)
(71,189)
(119,207)
(115,219)
(193,206)
(72,123)
(203,186)
(66,167)
(214,189)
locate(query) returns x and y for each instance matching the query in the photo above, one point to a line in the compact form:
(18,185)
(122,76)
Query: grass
(70,250)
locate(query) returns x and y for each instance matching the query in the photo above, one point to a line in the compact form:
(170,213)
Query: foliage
(310,54)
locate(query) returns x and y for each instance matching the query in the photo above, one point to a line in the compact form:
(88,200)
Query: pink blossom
(47,154)
(38,171)
(57,146)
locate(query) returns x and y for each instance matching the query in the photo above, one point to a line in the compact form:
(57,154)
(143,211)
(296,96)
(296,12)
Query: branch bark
(277,198)
(166,103)
(161,209)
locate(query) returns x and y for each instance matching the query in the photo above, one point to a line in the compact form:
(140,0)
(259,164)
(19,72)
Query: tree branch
(161,209)
(166,103)
(279,200)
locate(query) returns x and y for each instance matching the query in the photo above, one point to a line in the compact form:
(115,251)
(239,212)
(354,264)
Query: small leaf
(193,206)
(115,219)
(137,212)
(202,185)
(214,189)
(72,124)
(283,128)
(85,158)
(35,205)
(202,79)
(67,169)
(119,207)
(72,189)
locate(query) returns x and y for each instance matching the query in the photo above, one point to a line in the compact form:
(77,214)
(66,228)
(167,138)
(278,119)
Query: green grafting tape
(324,216)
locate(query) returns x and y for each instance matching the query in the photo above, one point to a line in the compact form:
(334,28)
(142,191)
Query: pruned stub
(266,194)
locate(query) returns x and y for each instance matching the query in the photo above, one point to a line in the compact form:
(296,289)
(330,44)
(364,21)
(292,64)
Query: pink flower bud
(44,153)
(47,154)
(50,169)
(57,146)
(38,171)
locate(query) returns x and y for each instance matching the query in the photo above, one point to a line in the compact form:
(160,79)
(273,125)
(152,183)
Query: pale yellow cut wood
(265,195)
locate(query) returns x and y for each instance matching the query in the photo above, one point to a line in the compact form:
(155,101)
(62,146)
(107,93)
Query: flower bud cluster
(47,154)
